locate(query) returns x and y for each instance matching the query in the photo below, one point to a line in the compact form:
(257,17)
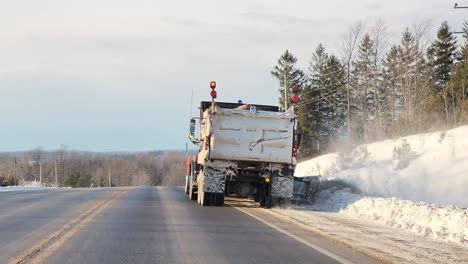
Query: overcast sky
(118,75)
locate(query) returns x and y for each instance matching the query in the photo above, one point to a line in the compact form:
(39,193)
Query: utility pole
(16,181)
(55,163)
(40,174)
(285,91)
(110,185)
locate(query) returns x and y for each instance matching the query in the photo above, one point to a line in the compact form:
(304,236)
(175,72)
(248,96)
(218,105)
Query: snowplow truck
(244,150)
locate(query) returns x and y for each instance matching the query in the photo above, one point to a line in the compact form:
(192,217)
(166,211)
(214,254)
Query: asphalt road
(151,225)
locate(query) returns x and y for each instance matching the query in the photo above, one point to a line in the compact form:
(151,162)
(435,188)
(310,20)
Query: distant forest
(373,89)
(86,169)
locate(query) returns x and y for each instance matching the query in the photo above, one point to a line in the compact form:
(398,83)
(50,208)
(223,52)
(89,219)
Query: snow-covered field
(424,190)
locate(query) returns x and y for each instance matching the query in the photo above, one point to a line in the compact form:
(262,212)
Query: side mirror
(192,131)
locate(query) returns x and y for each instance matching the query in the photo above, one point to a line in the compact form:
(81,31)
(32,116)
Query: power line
(460,7)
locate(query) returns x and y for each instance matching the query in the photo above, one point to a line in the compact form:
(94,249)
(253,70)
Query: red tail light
(207,143)
(295,147)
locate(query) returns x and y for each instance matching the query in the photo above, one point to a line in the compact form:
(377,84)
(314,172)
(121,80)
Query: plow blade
(305,188)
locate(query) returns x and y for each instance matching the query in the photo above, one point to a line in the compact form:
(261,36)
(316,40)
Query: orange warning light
(212,84)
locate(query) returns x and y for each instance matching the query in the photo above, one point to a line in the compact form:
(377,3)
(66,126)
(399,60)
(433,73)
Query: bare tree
(380,35)
(348,49)
(173,169)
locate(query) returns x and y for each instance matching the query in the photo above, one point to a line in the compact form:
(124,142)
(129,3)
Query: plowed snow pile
(417,183)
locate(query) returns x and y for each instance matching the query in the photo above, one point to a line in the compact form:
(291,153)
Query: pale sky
(114,75)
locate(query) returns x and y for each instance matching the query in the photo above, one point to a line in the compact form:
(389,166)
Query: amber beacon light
(212,84)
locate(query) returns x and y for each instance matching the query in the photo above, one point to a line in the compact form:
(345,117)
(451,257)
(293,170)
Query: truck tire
(205,198)
(192,195)
(198,197)
(187,184)
(269,201)
(266,200)
(257,196)
(218,199)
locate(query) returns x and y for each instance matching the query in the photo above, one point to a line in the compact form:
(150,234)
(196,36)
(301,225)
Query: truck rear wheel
(187,184)
(257,196)
(218,199)
(192,195)
(191,187)
(205,198)
(265,198)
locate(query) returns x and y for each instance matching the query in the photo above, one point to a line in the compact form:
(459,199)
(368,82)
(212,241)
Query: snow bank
(24,188)
(447,223)
(424,190)
(437,171)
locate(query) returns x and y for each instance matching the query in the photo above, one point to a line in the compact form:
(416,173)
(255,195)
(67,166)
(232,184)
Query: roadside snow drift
(447,223)
(434,169)
(417,183)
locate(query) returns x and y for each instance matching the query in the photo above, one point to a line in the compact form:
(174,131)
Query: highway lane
(151,225)
(28,216)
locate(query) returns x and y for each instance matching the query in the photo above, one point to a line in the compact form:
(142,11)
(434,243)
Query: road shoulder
(385,244)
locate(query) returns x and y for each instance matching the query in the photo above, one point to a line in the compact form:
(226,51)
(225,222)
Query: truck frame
(248,151)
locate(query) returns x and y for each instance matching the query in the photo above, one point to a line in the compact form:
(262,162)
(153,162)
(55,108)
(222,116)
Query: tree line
(86,169)
(373,90)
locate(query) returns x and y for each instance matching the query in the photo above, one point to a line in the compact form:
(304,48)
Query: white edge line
(291,235)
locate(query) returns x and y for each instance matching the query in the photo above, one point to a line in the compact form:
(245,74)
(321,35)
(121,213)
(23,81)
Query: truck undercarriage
(209,185)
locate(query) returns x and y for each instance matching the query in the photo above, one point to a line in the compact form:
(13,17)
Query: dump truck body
(244,135)
(244,150)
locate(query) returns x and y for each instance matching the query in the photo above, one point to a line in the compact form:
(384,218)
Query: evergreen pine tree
(309,108)
(334,100)
(408,58)
(464,53)
(363,94)
(442,54)
(286,70)
(404,77)
(458,84)
(391,89)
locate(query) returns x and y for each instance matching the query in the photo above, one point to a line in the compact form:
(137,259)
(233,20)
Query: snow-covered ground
(24,188)
(385,244)
(427,195)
